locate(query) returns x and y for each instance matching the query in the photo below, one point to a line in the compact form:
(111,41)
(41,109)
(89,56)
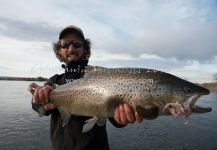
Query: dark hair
(87,49)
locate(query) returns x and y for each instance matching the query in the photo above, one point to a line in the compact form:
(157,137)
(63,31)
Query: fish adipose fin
(150,113)
(89,124)
(65,115)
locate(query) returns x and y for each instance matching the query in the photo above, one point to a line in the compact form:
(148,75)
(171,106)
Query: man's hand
(124,114)
(41,95)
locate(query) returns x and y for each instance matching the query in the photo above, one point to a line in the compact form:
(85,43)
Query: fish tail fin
(41,111)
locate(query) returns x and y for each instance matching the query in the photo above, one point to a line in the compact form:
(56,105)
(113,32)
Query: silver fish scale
(97,93)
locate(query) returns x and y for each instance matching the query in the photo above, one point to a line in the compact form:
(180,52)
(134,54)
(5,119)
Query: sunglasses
(75,43)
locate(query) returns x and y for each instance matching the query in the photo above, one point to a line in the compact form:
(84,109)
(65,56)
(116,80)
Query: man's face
(71,48)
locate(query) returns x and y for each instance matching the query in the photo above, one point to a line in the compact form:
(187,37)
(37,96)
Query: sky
(174,36)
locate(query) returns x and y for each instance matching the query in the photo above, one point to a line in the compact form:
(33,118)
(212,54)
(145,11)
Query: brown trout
(149,92)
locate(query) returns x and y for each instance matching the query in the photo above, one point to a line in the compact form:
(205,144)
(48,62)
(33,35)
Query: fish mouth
(199,109)
(191,100)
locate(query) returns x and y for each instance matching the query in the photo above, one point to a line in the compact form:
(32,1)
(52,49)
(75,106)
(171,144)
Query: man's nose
(71,47)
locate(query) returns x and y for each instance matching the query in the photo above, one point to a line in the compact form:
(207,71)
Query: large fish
(149,92)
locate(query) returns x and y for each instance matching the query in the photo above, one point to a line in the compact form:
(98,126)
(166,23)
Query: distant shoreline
(211,86)
(23,78)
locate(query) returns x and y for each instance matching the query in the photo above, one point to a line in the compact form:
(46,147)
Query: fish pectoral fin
(89,124)
(150,113)
(65,115)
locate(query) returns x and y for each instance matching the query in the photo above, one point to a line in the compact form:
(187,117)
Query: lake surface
(22,129)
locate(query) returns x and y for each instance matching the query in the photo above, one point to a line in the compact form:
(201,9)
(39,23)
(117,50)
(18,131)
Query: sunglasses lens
(66,44)
(77,44)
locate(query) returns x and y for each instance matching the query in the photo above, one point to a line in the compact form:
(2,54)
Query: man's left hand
(124,114)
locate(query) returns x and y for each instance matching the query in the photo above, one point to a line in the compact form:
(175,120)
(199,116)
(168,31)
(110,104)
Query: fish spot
(131,96)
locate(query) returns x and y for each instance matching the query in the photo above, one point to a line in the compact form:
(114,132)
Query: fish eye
(187,90)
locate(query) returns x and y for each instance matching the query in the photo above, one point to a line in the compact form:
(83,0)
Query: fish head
(171,89)
(187,92)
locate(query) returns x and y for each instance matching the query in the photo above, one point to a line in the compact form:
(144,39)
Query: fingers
(129,113)
(123,117)
(47,90)
(36,96)
(124,114)
(49,106)
(117,114)
(41,95)
(32,87)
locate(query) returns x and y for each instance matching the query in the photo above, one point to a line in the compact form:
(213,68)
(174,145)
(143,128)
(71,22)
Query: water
(21,128)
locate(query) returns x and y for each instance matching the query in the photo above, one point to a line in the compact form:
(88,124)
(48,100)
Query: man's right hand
(41,95)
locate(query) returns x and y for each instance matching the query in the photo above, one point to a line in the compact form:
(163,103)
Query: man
(74,50)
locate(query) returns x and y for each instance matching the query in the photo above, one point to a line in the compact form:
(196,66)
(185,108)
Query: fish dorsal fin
(94,68)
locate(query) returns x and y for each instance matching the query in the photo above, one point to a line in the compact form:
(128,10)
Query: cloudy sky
(176,36)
